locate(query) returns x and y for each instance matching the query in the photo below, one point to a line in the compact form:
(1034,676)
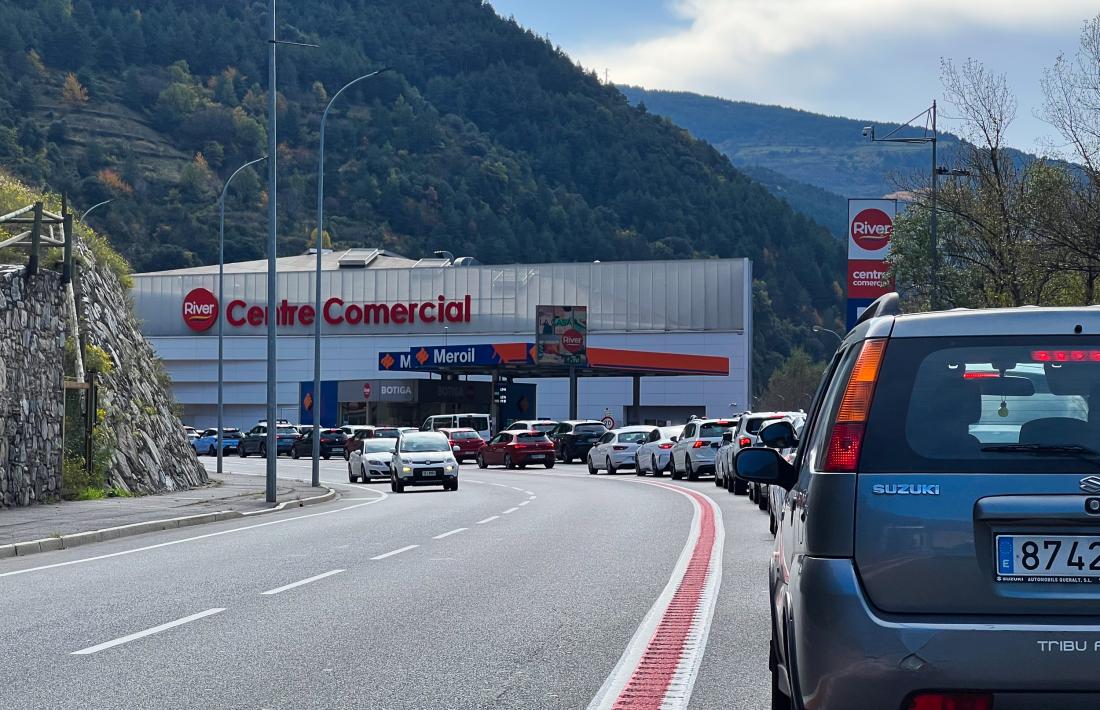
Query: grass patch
(90,493)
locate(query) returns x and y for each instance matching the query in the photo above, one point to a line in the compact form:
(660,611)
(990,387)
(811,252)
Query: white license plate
(1073,559)
(538,456)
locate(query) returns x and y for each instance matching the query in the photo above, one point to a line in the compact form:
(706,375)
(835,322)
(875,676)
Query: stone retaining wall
(32,401)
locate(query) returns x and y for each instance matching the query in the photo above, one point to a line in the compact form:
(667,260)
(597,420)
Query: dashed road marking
(398,551)
(301,582)
(147,632)
(490,519)
(449,533)
(510,511)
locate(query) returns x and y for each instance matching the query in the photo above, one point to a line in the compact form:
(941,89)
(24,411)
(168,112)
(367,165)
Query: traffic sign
(608,421)
(366,390)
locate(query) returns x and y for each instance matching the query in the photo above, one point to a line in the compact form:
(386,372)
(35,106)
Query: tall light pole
(819,329)
(316,477)
(87,211)
(272,446)
(930,136)
(221,300)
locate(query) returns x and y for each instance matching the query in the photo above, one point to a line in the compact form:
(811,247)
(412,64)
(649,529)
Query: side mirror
(727,437)
(674,439)
(779,435)
(761,465)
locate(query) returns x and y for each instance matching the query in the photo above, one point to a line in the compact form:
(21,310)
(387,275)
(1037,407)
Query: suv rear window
(985,405)
(589,429)
(531,438)
(714,430)
(755,424)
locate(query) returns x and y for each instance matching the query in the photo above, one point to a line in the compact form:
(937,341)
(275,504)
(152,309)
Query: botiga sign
(562,335)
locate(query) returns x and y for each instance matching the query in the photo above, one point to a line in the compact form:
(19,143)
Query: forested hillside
(484,140)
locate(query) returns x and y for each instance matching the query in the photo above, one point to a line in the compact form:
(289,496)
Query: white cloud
(803,52)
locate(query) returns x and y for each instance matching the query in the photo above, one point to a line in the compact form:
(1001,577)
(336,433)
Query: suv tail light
(744,441)
(846,438)
(951,701)
(666,445)
(699,444)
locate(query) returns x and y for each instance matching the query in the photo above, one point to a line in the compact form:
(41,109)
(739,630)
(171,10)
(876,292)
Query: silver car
(371,460)
(693,453)
(927,557)
(423,459)
(655,452)
(615,449)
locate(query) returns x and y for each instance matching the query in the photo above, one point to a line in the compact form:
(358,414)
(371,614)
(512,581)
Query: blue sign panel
(856,307)
(329,403)
(434,357)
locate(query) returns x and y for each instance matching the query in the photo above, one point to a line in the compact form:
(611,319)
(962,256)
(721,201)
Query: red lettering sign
(200,309)
(872,229)
(572,341)
(366,390)
(868,278)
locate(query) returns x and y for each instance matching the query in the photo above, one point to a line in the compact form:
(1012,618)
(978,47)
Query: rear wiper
(1075,450)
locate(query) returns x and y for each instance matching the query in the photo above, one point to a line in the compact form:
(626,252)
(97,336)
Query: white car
(481,423)
(544,425)
(656,451)
(694,450)
(615,449)
(371,460)
(423,459)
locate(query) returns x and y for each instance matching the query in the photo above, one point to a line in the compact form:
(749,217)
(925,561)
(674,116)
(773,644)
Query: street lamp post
(87,211)
(819,329)
(316,477)
(221,300)
(933,138)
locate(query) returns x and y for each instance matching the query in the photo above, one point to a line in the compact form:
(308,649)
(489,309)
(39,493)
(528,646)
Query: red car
(465,442)
(516,449)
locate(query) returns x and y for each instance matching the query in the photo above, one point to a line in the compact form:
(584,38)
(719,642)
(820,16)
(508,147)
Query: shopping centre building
(401,339)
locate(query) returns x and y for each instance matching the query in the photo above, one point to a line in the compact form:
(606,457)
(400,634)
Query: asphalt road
(521,590)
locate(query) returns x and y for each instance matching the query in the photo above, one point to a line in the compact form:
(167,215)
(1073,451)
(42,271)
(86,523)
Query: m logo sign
(200,309)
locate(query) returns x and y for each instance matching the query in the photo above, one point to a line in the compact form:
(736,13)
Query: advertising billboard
(870,229)
(561,336)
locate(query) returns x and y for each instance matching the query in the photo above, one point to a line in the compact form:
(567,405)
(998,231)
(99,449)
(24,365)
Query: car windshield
(286,431)
(590,429)
(462,435)
(714,430)
(544,427)
(377,446)
(530,437)
(387,433)
(423,442)
(996,404)
(633,437)
(474,422)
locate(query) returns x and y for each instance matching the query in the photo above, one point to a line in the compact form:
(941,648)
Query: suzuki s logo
(200,309)
(1090,484)
(906,489)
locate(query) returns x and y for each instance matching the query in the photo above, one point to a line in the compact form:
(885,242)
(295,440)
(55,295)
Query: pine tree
(72,92)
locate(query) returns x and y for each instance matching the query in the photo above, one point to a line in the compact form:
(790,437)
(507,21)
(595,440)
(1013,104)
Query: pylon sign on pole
(870,229)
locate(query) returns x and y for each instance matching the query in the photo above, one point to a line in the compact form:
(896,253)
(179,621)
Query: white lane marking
(147,632)
(193,539)
(516,489)
(678,694)
(449,533)
(524,503)
(299,583)
(532,497)
(530,493)
(490,519)
(510,511)
(470,480)
(398,551)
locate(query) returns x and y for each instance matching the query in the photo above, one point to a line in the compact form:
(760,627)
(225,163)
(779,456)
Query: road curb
(65,542)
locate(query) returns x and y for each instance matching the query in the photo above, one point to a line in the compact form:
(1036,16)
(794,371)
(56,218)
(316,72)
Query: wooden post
(67,228)
(89,421)
(36,240)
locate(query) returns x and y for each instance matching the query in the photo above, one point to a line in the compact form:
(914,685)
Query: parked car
(723,460)
(332,444)
(372,459)
(481,423)
(517,449)
(207,441)
(693,453)
(546,426)
(255,441)
(407,430)
(465,443)
(423,459)
(357,432)
(191,433)
(923,540)
(616,449)
(760,493)
(572,439)
(655,452)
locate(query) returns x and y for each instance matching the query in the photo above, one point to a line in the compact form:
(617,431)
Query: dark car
(572,439)
(255,441)
(355,435)
(516,449)
(332,444)
(465,442)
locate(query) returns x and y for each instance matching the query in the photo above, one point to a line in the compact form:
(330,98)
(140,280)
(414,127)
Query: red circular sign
(872,229)
(200,309)
(572,341)
(366,390)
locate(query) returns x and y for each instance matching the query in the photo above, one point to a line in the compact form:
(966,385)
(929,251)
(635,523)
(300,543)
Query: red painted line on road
(650,683)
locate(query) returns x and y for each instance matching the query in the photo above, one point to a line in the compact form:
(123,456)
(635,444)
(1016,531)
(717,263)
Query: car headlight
(406,469)
(450,467)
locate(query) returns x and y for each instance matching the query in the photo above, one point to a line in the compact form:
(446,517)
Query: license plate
(1065,559)
(538,456)
(429,472)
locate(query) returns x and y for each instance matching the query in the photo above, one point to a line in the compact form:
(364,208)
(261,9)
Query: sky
(866,59)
